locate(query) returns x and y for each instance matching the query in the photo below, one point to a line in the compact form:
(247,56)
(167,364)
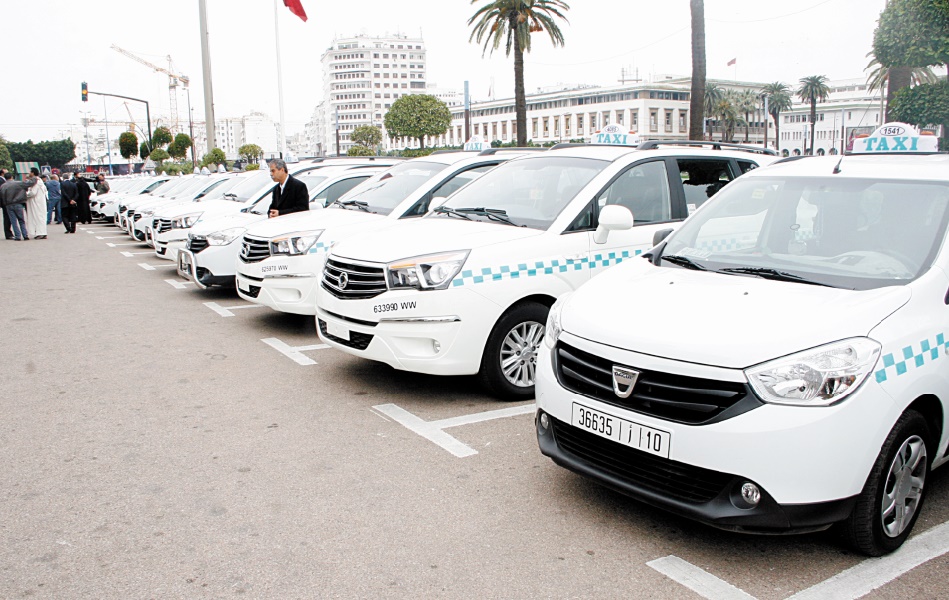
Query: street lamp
(85,123)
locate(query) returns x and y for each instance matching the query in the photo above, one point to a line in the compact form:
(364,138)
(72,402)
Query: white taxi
(467,288)
(776,364)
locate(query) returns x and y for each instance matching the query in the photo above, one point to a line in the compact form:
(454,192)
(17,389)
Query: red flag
(296,8)
(730,63)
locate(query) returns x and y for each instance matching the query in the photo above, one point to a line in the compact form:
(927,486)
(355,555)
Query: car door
(648,188)
(702,178)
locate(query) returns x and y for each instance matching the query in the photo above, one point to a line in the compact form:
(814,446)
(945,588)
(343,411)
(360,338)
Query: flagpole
(206,77)
(276,28)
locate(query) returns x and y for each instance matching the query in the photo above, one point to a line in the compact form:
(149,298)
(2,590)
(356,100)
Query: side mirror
(660,235)
(613,217)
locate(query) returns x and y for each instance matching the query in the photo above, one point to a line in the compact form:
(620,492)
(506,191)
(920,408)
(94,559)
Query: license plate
(628,433)
(338,331)
(184,265)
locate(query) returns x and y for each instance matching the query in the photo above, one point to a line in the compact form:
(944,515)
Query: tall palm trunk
(813,121)
(777,129)
(897,78)
(697,99)
(520,99)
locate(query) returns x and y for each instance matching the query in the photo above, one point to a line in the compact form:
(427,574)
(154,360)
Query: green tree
(367,136)
(161,136)
(128,145)
(144,149)
(214,157)
(159,155)
(729,114)
(417,116)
(697,98)
(54,153)
(925,105)
(178,149)
(5,161)
(360,150)
(513,22)
(747,103)
(813,90)
(250,152)
(779,100)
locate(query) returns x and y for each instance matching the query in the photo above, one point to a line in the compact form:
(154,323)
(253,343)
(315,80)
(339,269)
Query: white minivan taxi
(777,363)
(466,289)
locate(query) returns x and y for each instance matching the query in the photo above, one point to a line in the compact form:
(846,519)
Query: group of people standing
(30,205)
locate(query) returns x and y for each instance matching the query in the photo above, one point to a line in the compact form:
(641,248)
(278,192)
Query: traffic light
(85,92)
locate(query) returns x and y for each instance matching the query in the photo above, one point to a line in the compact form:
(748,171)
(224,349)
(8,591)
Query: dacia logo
(624,380)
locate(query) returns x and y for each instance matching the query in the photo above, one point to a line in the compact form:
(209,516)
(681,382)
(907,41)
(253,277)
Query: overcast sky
(64,42)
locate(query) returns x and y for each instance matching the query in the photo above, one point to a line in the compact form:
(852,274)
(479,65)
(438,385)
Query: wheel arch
(931,408)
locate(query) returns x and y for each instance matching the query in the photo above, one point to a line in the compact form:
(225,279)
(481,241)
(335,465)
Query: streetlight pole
(85,123)
(191,127)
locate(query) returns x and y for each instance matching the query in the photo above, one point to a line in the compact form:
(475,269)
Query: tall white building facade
(362,77)
(255,128)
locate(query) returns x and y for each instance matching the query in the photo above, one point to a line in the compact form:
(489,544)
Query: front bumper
(167,244)
(283,283)
(441,332)
(190,268)
(809,463)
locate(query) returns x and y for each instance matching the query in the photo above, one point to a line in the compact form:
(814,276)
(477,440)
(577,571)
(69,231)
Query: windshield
(250,187)
(173,186)
(382,192)
(848,233)
(312,181)
(195,186)
(530,192)
(223,187)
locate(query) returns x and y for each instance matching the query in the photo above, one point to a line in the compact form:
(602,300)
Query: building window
(534,127)
(619,117)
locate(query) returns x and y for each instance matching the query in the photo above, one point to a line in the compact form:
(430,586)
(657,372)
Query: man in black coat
(85,214)
(7,227)
(69,209)
(289,195)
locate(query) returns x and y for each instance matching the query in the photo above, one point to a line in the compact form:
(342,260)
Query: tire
(508,364)
(898,478)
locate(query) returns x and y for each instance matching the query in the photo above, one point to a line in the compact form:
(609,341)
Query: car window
(644,190)
(746,165)
(335,191)
(384,191)
(459,180)
(702,179)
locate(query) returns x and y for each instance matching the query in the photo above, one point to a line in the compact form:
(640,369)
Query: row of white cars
(764,361)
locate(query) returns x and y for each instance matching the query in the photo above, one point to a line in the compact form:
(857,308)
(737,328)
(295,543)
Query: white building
(850,109)
(362,77)
(255,128)
(228,135)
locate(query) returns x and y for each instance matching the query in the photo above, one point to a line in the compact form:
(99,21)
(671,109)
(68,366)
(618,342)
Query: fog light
(750,494)
(437,347)
(544,420)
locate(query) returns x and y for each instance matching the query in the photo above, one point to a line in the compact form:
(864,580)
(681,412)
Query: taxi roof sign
(614,135)
(477,144)
(896,138)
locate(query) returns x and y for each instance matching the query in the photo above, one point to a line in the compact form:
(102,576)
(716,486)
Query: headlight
(226,236)
(431,272)
(552,334)
(185,221)
(818,377)
(294,244)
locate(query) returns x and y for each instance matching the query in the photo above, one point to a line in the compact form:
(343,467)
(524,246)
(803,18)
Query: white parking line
(152,267)
(131,254)
(874,573)
(855,582)
(110,237)
(698,580)
(294,353)
(433,431)
(178,285)
(225,311)
(112,245)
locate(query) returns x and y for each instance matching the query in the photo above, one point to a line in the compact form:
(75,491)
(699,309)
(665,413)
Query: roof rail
(585,145)
(490,151)
(451,151)
(788,159)
(653,144)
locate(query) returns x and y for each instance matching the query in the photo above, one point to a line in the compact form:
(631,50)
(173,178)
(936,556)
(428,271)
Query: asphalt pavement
(155,447)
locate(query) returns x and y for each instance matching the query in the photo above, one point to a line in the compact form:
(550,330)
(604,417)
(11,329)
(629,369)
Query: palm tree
(747,104)
(893,79)
(513,21)
(713,96)
(779,100)
(697,99)
(729,114)
(813,89)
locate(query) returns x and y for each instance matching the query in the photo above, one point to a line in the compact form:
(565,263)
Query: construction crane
(174,79)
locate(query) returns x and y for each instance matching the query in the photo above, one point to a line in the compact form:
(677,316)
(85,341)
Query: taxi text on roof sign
(615,135)
(477,144)
(895,138)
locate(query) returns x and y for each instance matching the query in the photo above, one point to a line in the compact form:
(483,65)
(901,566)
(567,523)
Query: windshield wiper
(357,203)
(495,214)
(683,261)
(450,211)
(769,273)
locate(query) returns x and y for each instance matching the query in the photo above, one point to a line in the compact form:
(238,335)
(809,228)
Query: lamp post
(191,126)
(85,123)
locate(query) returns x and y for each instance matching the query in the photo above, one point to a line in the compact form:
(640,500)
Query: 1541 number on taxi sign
(628,433)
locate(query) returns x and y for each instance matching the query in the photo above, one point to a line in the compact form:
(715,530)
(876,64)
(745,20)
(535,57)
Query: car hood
(416,237)
(220,223)
(312,219)
(721,320)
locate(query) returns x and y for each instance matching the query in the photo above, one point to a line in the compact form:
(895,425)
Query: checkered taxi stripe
(541,267)
(318,247)
(899,363)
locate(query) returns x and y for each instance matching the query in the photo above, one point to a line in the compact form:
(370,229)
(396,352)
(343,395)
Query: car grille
(161,225)
(136,217)
(254,250)
(668,477)
(358,341)
(663,395)
(197,244)
(360,281)
(122,208)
